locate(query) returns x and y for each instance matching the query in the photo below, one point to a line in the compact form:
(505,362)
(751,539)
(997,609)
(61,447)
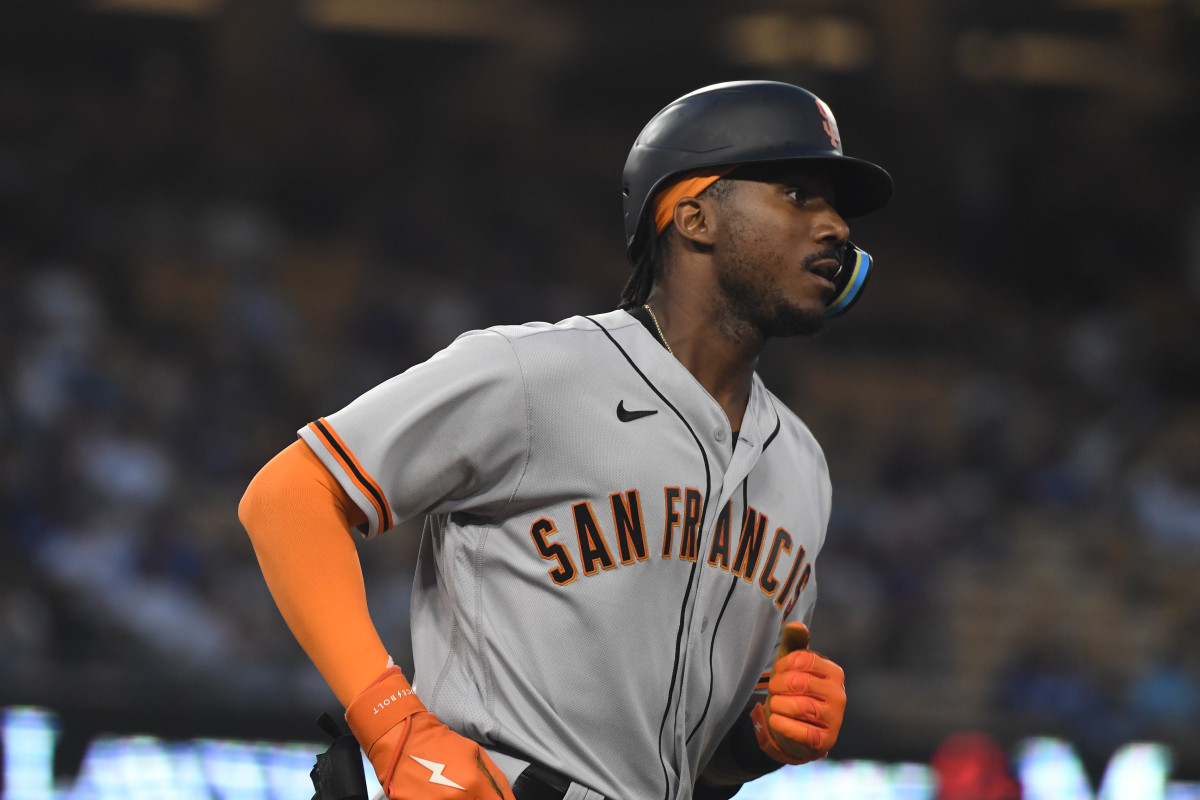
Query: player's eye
(796,194)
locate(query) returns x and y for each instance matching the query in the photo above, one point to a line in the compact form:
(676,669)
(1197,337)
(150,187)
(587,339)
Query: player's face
(778,250)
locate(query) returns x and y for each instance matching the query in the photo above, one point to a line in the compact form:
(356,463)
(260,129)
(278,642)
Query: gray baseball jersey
(603,576)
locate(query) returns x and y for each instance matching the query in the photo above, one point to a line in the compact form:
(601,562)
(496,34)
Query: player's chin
(797,319)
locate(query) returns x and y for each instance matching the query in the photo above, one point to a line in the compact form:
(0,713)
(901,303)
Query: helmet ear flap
(850,280)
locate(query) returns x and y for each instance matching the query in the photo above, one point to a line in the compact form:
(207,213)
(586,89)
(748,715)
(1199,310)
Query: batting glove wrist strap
(413,752)
(380,707)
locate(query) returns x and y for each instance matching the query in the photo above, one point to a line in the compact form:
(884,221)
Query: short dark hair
(649,264)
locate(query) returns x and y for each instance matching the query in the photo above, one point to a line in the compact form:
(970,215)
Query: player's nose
(829,228)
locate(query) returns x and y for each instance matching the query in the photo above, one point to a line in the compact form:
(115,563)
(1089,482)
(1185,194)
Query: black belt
(540,783)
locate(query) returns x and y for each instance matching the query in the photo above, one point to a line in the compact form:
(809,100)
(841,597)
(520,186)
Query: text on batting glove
(415,755)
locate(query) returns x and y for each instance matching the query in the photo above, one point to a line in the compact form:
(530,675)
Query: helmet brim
(859,187)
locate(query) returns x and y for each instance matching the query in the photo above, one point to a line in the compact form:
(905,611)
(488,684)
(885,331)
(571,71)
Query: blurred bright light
(148,768)
(28,738)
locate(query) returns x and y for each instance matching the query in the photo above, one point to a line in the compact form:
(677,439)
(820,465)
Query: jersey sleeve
(449,434)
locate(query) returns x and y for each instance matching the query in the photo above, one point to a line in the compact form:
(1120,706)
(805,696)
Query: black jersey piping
(385,522)
(774,433)
(712,645)
(695,564)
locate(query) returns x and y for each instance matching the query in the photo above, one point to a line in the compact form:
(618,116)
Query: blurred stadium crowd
(1011,416)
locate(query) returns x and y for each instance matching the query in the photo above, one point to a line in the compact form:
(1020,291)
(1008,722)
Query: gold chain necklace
(658,328)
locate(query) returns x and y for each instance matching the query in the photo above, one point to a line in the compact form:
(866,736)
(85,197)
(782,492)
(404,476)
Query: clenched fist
(806,700)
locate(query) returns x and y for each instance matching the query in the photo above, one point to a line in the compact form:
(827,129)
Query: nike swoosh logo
(628,416)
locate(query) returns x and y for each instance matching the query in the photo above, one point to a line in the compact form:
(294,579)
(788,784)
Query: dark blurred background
(221,220)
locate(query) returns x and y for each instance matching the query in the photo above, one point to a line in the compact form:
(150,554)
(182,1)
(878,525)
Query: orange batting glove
(806,700)
(414,754)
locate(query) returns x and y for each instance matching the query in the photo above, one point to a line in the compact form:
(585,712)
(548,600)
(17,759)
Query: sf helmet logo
(830,124)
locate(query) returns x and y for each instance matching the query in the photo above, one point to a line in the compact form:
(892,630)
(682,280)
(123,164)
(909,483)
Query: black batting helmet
(742,122)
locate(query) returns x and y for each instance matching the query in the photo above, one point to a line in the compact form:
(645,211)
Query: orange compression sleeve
(299,520)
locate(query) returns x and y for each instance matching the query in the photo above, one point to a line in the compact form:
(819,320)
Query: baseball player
(617,567)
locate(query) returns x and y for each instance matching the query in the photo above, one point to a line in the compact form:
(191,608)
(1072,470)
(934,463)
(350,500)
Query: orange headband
(689,185)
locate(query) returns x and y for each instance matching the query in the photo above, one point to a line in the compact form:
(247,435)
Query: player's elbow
(246,507)
(255,502)
(267,497)
(294,491)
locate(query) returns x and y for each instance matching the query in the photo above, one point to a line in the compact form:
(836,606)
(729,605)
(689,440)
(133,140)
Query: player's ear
(694,221)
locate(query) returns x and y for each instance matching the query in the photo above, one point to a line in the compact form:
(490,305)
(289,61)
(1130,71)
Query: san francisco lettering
(755,551)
